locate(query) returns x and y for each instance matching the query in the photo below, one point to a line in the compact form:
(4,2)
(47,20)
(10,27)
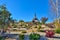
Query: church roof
(35,18)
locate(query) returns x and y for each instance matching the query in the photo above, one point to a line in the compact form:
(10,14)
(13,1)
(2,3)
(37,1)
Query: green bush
(38,30)
(21,36)
(42,31)
(39,27)
(34,36)
(57,30)
(15,26)
(1,38)
(14,29)
(23,31)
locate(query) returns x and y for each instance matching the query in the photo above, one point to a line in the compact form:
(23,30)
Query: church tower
(35,19)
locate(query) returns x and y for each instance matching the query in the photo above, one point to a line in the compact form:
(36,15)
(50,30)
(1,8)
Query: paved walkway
(53,39)
(10,39)
(56,36)
(41,33)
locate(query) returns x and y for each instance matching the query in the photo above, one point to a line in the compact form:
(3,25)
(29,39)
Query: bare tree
(55,8)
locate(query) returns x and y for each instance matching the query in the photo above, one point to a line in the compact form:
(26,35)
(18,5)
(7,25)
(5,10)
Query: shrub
(57,30)
(35,27)
(49,33)
(42,30)
(23,31)
(34,36)
(15,26)
(39,27)
(14,30)
(1,38)
(38,30)
(21,36)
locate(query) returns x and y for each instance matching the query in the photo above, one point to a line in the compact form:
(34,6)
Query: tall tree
(55,7)
(4,16)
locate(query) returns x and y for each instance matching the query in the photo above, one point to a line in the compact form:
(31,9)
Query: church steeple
(35,18)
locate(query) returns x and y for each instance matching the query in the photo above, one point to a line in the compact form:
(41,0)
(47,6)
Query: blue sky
(25,9)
